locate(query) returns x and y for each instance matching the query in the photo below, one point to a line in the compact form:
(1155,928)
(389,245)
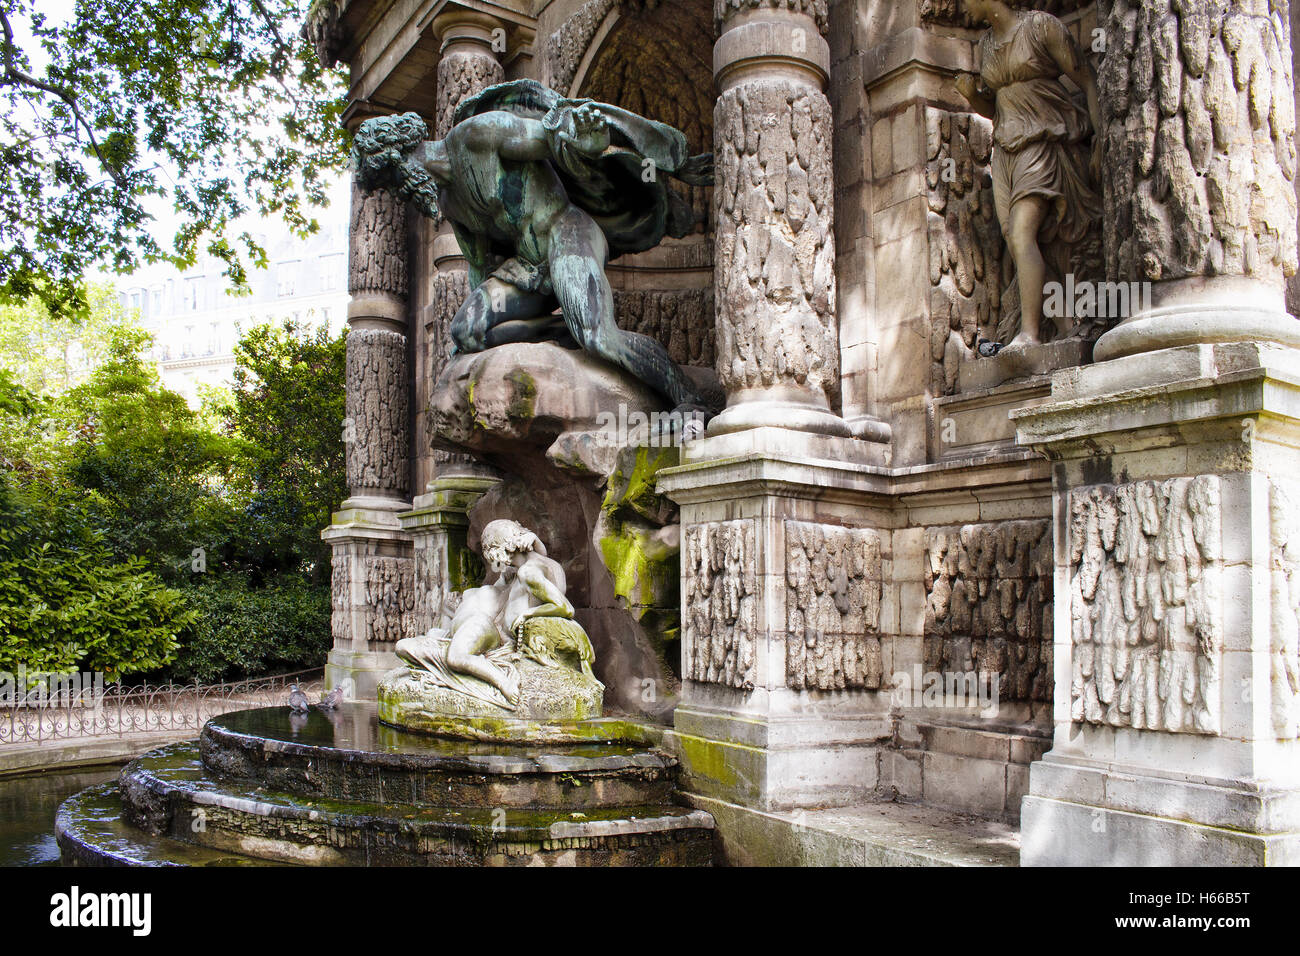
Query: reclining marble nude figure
(541,191)
(525,613)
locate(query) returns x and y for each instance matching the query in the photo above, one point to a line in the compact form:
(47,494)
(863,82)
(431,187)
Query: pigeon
(298,702)
(988,348)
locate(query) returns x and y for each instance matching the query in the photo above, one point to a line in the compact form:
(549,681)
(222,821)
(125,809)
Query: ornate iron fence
(67,711)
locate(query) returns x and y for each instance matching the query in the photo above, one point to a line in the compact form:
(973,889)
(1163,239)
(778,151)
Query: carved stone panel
(679,320)
(775,252)
(989,604)
(1284,574)
(390,598)
(377,411)
(719,603)
(1199,118)
(969,267)
(832,600)
(1146,604)
(341,595)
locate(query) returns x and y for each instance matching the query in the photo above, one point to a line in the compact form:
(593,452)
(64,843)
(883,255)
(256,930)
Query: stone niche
(574,441)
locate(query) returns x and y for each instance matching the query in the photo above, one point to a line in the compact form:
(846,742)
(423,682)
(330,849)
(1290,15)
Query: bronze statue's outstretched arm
(512,137)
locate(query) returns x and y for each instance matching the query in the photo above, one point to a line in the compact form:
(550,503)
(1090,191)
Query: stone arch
(655,57)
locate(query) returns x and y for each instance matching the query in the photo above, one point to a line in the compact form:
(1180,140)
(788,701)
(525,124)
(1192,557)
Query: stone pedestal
(1176,491)
(785,695)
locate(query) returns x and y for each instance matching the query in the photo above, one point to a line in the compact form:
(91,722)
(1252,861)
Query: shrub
(66,603)
(240,630)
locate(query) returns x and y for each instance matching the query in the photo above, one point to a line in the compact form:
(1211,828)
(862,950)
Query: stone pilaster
(1174,459)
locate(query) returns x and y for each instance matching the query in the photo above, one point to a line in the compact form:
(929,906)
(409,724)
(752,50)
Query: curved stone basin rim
(353,733)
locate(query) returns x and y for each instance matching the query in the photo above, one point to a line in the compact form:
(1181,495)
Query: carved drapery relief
(1200,151)
(969,266)
(1284,590)
(681,321)
(832,599)
(989,604)
(719,603)
(1146,604)
(775,252)
(377,412)
(390,598)
(341,595)
(377,244)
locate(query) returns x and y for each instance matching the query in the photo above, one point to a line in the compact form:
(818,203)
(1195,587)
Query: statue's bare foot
(1021,341)
(510,687)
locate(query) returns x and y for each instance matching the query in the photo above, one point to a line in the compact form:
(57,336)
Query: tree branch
(13,76)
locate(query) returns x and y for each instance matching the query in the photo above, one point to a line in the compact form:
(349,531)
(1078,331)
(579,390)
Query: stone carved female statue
(1043,176)
(525,613)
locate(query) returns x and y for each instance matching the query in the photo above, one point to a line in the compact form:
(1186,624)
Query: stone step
(91,832)
(869,834)
(170,792)
(347,755)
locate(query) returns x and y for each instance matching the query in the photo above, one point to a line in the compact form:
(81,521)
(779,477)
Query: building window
(329,272)
(286,275)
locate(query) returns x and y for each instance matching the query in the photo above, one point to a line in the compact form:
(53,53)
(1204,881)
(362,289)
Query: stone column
(782,704)
(1177,590)
(438,520)
(774,278)
(372,557)
(1199,116)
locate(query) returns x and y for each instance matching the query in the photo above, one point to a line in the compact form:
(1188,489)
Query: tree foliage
(286,406)
(216,107)
(66,601)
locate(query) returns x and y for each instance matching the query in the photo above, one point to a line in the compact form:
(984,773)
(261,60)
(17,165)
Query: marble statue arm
(980,99)
(553,602)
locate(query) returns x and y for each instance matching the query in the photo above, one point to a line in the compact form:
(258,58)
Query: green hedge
(240,631)
(66,602)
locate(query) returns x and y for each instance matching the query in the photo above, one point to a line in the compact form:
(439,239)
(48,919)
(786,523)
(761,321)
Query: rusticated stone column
(472,44)
(377,429)
(777,338)
(373,568)
(1199,115)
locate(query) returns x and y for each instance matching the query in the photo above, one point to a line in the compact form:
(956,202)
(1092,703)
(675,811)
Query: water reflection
(27,807)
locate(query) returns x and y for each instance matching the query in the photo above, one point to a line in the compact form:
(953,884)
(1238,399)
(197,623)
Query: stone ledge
(868,834)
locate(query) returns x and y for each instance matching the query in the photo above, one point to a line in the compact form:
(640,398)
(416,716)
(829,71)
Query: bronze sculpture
(541,191)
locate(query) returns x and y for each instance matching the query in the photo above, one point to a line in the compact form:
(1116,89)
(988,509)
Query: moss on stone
(524,396)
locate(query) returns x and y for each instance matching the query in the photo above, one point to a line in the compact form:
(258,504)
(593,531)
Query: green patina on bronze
(541,191)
